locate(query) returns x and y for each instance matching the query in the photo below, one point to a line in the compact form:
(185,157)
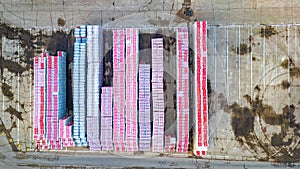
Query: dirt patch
(289,117)
(32,44)
(159,22)
(257,88)
(267,32)
(287,63)
(59,41)
(26,42)
(265,111)
(248,98)
(13,112)
(295,72)
(182,14)
(223,102)
(251,39)
(242,120)
(8,136)
(12,66)
(243,49)
(285,84)
(6,91)
(61,22)
(277,140)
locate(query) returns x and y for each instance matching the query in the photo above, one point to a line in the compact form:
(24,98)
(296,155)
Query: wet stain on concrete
(285,84)
(59,41)
(26,42)
(286,120)
(257,88)
(243,49)
(12,66)
(277,140)
(13,112)
(251,39)
(294,70)
(242,122)
(286,63)
(6,91)
(267,32)
(6,131)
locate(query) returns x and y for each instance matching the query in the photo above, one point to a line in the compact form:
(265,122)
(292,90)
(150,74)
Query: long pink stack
(39,134)
(201,119)
(65,131)
(182,90)
(106,119)
(56,97)
(157,93)
(131,88)
(119,90)
(144,108)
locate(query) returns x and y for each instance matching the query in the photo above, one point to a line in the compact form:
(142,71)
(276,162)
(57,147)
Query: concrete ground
(45,13)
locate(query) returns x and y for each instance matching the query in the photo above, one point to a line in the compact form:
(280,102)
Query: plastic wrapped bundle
(79,86)
(157,95)
(119,90)
(131,88)
(144,108)
(182,90)
(93,83)
(93,132)
(106,119)
(201,119)
(40,89)
(65,131)
(56,97)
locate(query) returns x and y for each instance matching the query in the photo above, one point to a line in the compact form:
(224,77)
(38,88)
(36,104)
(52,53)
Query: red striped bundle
(201,116)
(119,90)
(39,133)
(56,97)
(182,90)
(131,88)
